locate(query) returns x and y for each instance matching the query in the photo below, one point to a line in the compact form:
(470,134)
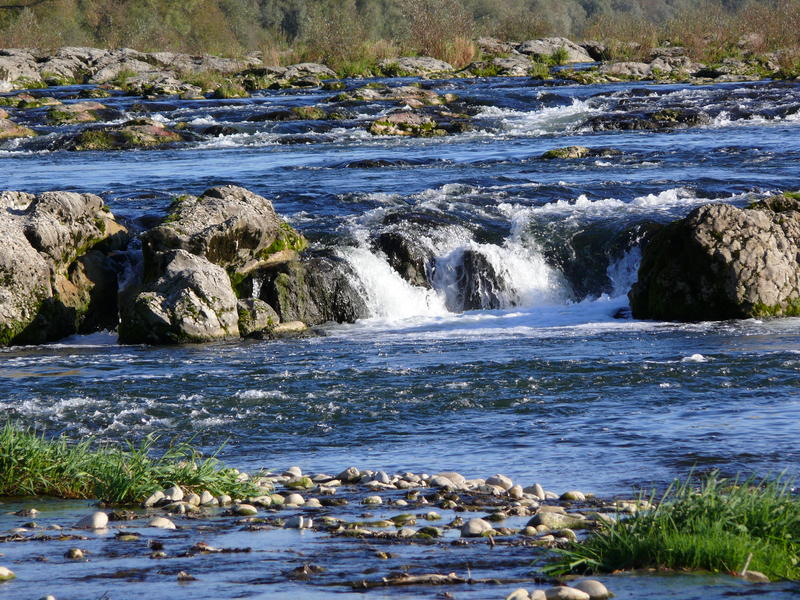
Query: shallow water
(548,387)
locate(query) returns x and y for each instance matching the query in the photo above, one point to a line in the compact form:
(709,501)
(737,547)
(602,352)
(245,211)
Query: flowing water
(543,376)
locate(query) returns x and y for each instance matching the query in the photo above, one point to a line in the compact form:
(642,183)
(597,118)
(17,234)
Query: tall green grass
(32,465)
(711,525)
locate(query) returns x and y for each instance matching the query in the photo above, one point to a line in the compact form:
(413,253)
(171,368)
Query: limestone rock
(161,523)
(406,66)
(49,285)
(723,262)
(595,589)
(191,300)
(563,592)
(255,316)
(97,520)
(545,47)
(230,226)
(6,574)
(554,520)
(475,528)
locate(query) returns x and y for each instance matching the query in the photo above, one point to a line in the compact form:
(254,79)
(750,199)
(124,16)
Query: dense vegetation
(347,31)
(33,465)
(715,525)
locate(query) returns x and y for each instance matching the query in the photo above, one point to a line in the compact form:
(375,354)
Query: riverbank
(185,533)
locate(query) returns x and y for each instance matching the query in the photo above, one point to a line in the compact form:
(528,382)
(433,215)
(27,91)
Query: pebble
(573,496)
(595,589)
(48,597)
(245,510)
(293,472)
(519,594)
(312,503)
(538,595)
(516,492)
(153,499)
(299,522)
(349,475)
(755,577)
(6,574)
(500,481)
(224,500)
(193,499)
(406,532)
(563,592)
(173,494)
(26,512)
(554,520)
(264,501)
(294,500)
(207,499)
(98,520)
(538,491)
(475,528)
(372,500)
(74,554)
(161,523)
(400,502)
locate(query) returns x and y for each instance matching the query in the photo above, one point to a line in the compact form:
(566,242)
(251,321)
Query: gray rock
(500,481)
(256,316)
(475,528)
(153,499)
(554,520)
(207,499)
(308,69)
(47,290)
(414,66)
(627,70)
(174,494)
(97,520)
(349,475)
(573,496)
(246,510)
(295,500)
(545,47)
(723,262)
(595,589)
(230,227)
(519,594)
(190,301)
(563,592)
(161,523)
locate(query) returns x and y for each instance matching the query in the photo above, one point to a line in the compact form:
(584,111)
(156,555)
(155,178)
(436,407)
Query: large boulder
(229,226)
(723,262)
(413,66)
(136,133)
(190,301)
(548,47)
(318,289)
(55,276)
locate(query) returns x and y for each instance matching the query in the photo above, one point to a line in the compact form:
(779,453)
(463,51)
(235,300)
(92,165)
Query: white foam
(260,394)
(697,358)
(556,119)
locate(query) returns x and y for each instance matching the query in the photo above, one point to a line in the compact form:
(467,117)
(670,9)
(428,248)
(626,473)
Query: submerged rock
(570,152)
(723,262)
(137,133)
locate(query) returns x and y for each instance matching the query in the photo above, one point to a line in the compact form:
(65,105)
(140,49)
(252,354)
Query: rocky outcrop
(229,226)
(413,66)
(573,152)
(56,276)
(547,48)
(195,264)
(406,95)
(434,121)
(723,262)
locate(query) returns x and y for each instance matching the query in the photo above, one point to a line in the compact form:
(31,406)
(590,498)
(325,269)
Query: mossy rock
(10,130)
(567,152)
(139,133)
(310,113)
(230,90)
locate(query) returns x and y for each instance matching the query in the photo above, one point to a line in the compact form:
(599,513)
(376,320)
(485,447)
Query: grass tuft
(32,465)
(714,525)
